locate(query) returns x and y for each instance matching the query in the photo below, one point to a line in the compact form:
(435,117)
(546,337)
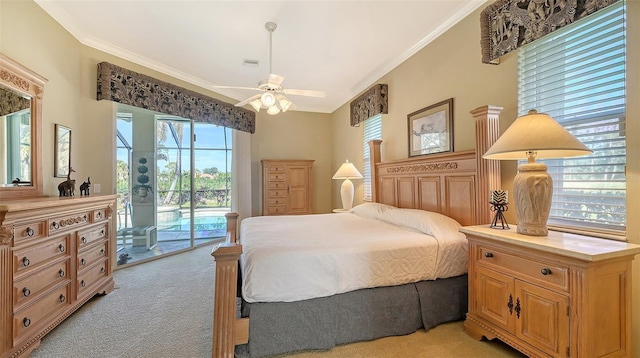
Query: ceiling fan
(273,94)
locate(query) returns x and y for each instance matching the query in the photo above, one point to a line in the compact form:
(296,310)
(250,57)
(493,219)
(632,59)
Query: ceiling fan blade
(301,92)
(241,104)
(275,80)
(237,87)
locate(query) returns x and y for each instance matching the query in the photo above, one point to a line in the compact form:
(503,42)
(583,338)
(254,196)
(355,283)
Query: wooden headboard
(455,184)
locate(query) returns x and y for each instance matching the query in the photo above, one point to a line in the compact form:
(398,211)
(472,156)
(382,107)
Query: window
(577,76)
(372,129)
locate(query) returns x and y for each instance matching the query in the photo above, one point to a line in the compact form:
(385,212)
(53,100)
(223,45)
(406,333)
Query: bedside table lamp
(347,172)
(530,136)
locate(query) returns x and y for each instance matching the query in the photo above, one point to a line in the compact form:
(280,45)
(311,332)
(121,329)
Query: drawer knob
(102,270)
(102,252)
(61,273)
(62,298)
(545,271)
(83,262)
(99,215)
(55,225)
(83,284)
(84,240)
(25,261)
(488,254)
(26,292)
(61,248)
(30,232)
(26,322)
(102,232)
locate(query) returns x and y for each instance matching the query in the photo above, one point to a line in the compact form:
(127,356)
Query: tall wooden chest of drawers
(561,295)
(55,254)
(286,188)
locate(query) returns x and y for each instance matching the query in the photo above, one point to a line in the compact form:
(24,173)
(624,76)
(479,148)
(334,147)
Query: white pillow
(428,222)
(371,210)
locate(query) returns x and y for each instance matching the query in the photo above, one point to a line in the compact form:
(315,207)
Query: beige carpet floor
(164,308)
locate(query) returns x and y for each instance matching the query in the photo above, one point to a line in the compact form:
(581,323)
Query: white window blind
(577,76)
(372,129)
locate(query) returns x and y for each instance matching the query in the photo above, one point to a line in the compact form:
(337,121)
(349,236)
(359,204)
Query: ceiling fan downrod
(271,27)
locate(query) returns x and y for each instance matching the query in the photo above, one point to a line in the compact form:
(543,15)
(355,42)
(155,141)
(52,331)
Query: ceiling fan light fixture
(284,103)
(268,99)
(256,104)
(273,110)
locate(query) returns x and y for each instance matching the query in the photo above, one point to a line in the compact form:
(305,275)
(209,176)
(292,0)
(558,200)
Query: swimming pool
(201,223)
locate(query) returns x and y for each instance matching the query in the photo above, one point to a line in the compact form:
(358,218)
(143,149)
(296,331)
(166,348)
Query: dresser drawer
(276,210)
(91,255)
(38,315)
(276,168)
(89,236)
(100,215)
(31,286)
(32,230)
(37,255)
(275,202)
(68,222)
(277,185)
(277,193)
(87,278)
(278,177)
(544,273)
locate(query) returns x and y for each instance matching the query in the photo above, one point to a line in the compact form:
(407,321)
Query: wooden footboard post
(224,310)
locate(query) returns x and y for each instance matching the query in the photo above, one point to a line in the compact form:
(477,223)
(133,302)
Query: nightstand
(558,295)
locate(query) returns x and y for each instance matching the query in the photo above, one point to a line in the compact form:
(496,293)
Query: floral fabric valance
(124,86)
(508,24)
(10,102)
(370,103)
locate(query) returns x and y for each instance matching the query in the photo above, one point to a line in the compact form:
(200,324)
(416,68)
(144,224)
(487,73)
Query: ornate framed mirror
(21,92)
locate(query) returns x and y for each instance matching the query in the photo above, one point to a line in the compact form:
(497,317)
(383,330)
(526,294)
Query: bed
(386,268)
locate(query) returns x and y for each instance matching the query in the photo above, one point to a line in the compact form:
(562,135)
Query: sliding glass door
(174,178)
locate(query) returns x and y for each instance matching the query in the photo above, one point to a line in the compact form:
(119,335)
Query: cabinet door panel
(494,294)
(544,318)
(299,198)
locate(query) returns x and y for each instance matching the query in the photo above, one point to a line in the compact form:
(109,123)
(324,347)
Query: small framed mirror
(62,151)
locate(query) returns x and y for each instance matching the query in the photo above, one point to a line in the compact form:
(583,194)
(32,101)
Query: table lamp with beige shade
(534,135)
(347,171)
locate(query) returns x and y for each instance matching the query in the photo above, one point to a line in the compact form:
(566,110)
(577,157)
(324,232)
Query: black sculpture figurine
(499,201)
(85,186)
(68,187)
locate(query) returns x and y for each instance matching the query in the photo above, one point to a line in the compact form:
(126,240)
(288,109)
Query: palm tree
(164,128)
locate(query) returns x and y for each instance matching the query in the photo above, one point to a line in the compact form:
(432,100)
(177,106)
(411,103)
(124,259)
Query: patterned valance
(11,102)
(509,24)
(123,86)
(370,103)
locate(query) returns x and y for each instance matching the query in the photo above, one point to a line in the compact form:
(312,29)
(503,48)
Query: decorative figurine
(84,187)
(499,201)
(67,187)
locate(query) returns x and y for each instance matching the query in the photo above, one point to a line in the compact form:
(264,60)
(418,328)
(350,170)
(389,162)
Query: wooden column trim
(487,120)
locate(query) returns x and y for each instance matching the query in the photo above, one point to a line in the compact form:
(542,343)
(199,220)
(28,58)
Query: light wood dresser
(561,295)
(55,254)
(286,188)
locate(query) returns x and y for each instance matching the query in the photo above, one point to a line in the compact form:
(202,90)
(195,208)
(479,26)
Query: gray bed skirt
(322,323)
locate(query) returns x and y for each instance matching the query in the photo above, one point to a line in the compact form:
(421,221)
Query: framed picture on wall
(431,129)
(62,151)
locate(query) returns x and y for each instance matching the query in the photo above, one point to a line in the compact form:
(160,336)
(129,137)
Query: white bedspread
(292,258)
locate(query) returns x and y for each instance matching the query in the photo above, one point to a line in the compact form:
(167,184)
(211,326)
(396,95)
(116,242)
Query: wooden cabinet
(55,254)
(563,295)
(286,188)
